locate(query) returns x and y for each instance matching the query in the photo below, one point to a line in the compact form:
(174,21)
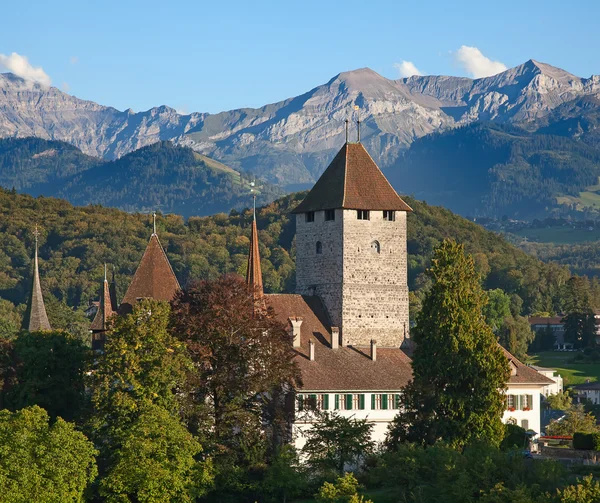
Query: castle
(349,318)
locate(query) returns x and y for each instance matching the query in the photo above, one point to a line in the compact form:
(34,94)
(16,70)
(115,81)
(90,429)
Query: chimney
(296,324)
(373,350)
(311,351)
(335,337)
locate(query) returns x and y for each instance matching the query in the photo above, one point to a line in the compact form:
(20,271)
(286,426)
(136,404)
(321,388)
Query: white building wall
(533,416)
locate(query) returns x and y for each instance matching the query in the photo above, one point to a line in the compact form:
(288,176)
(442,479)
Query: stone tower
(351,250)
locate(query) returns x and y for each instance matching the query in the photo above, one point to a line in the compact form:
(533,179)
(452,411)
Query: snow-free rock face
(292,141)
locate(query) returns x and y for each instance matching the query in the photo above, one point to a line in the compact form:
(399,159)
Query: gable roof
(525,374)
(154,278)
(342,369)
(352,181)
(36,318)
(104,311)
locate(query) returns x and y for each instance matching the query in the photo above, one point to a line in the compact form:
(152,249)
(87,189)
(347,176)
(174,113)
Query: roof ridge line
(345,176)
(166,258)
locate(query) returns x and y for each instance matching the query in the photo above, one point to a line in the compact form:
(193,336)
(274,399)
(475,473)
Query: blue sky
(213,56)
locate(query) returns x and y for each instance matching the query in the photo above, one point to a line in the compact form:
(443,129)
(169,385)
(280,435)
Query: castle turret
(105,311)
(153,279)
(36,317)
(351,250)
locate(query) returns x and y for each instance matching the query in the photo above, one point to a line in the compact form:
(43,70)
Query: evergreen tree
(459,370)
(580,322)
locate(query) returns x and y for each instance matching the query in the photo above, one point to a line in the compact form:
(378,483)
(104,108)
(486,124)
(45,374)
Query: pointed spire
(113,292)
(36,317)
(254,273)
(154,223)
(105,309)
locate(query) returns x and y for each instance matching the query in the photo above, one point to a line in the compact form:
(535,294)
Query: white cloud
(407,69)
(476,64)
(21,67)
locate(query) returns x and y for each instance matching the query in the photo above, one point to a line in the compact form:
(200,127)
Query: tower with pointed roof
(254,272)
(36,318)
(351,250)
(154,277)
(105,311)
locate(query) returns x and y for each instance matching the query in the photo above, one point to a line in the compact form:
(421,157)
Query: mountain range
(290,143)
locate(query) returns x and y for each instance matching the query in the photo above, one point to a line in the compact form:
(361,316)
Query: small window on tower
(362,214)
(389,215)
(329,215)
(310,216)
(319,248)
(375,248)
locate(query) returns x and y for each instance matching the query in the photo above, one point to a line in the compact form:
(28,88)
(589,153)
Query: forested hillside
(157,177)
(494,170)
(75,242)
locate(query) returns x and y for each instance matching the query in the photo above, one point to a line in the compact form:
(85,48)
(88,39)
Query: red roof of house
(545,320)
(342,369)
(352,181)
(525,374)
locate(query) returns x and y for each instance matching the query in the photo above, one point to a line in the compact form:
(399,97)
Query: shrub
(586,441)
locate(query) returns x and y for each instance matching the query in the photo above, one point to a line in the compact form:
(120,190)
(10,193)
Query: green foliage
(42,462)
(50,369)
(284,478)
(586,441)
(575,420)
(142,364)
(11,318)
(456,352)
(585,491)
(514,437)
(560,401)
(497,309)
(335,442)
(156,462)
(544,339)
(580,321)
(516,336)
(345,490)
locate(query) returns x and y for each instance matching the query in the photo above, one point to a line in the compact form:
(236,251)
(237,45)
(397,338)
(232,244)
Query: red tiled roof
(545,320)
(342,369)
(154,278)
(525,374)
(352,181)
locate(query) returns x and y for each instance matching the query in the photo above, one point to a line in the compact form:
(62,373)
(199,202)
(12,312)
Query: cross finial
(252,183)
(154,222)
(105,272)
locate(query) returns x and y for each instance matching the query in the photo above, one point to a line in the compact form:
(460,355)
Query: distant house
(539,323)
(551,389)
(589,390)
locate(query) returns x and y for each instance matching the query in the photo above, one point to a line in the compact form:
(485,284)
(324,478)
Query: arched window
(375,247)
(319,248)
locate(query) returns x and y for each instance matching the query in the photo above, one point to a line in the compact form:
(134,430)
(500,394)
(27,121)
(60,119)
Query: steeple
(154,278)
(254,273)
(36,317)
(113,292)
(105,311)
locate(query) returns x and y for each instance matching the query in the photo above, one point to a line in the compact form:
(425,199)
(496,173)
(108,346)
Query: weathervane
(252,183)
(346,121)
(105,271)
(357,108)
(154,222)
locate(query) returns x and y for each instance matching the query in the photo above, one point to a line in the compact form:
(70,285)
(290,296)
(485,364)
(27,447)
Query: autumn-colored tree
(243,363)
(458,367)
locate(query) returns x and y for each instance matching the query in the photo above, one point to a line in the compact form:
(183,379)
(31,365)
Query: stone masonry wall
(375,287)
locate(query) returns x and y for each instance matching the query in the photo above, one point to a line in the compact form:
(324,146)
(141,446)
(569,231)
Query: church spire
(254,273)
(36,318)
(113,292)
(105,311)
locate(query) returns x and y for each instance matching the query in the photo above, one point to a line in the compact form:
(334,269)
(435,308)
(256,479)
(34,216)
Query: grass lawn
(559,235)
(572,373)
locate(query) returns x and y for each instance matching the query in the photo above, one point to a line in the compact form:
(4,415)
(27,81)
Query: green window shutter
(384,401)
(300,402)
(337,402)
(326,402)
(348,399)
(372,401)
(361,402)
(313,401)
(398,398)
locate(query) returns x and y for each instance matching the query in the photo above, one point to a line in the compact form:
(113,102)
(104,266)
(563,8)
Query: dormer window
(309,216)
(329,215)
(362,214)
(389,215)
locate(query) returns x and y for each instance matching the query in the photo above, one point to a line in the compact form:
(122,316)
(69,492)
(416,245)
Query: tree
(560,401)
(515,335)
(142,364)
(50,369)
(156,462)
(575,420)
(459,370)
(243,363)
(497,309)
(544,339)
(10,319)
(580,322)
(345,490)
(43,462)
(284,478)
(335,442)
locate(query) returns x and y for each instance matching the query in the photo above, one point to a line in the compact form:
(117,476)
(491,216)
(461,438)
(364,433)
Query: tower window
(375,247)
(329,215)
(389,215)
(319,248)
(310,216)
(362,214)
